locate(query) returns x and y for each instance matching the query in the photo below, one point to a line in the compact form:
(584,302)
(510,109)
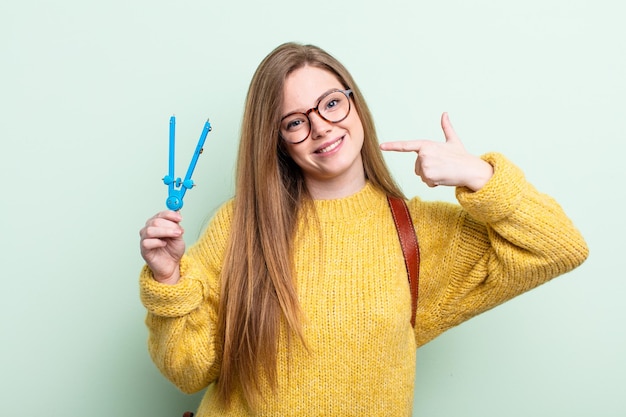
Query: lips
(329,147)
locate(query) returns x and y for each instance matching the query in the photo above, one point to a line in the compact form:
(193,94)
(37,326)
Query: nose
(319,126)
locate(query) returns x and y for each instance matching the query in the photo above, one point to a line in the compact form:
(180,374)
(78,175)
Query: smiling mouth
(331,146)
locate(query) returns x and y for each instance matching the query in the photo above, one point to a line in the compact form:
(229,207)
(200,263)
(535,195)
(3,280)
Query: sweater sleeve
(182,318)
(503,240)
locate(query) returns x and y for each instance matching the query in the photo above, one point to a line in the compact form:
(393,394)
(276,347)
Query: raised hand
(162,245)
(445,163)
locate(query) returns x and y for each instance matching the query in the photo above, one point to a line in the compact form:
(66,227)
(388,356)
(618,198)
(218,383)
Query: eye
(294,122)
(332,103)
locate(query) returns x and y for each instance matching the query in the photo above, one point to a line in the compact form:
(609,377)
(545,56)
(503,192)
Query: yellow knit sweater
(501,241)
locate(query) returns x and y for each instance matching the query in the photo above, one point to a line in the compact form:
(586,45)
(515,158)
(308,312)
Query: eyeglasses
(334,106)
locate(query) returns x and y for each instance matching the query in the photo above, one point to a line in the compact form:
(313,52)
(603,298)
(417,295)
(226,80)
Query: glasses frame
(347,92)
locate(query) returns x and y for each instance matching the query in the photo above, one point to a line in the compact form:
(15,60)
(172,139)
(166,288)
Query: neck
(335,188)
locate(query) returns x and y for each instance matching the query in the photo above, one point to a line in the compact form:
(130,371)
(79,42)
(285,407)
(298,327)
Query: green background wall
(86,91)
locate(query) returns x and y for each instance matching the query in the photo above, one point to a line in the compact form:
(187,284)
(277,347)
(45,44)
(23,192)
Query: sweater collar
(356,205)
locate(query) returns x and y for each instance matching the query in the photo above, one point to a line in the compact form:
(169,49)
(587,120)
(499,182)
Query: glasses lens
(295,127)
(334,107)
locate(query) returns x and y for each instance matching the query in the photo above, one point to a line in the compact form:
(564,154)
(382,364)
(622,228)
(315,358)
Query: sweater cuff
(500,196)
(172,300)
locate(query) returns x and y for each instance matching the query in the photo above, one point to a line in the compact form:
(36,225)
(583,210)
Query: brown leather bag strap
(410,247)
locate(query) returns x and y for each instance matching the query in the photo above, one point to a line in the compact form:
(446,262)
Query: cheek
(357,129)
(294,153)
(361,132)
(355,120)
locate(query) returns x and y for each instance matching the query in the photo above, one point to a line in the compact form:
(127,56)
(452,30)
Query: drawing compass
(177,187)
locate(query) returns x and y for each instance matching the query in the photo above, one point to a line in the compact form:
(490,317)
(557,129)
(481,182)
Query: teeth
(330,147)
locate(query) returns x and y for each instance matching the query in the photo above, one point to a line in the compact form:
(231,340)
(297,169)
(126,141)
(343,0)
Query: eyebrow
(317,100)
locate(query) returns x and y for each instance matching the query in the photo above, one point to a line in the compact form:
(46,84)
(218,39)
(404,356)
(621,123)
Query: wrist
(481,175)
(171,279)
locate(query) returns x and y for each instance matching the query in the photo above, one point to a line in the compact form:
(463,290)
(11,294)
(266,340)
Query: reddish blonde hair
(258,291)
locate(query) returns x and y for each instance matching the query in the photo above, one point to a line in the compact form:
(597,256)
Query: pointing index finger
(402,146)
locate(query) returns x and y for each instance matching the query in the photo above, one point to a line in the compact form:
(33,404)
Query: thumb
(448,130)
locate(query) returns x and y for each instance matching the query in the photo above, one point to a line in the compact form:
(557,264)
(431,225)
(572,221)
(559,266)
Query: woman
(295,300)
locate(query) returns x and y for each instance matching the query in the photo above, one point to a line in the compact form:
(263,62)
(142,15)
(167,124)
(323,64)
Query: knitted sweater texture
(352,284)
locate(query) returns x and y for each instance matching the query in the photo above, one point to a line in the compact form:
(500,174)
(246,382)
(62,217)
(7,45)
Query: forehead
(304,86)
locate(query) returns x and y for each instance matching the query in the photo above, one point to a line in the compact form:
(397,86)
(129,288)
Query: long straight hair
(258,292)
